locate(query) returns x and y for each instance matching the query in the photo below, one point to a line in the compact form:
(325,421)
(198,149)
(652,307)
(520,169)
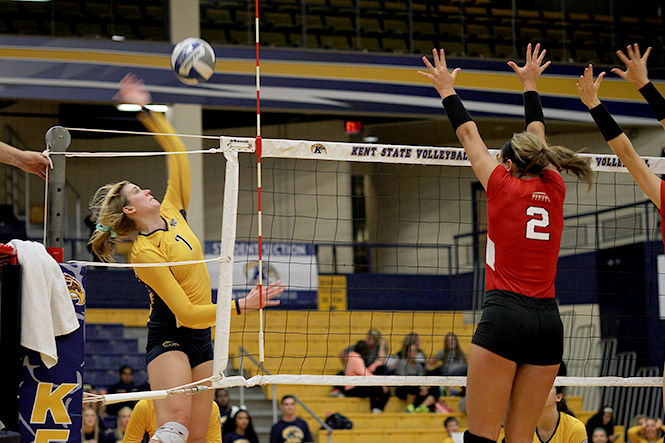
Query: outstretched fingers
(645,57)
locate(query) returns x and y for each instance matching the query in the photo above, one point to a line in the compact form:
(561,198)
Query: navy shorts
(520,328)
(195,343)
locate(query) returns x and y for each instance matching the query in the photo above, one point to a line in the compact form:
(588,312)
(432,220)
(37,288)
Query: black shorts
(520,328)
(195,343)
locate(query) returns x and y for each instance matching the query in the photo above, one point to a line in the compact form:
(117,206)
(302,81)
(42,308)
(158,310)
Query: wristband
(533,109)
(655,100)
(457,113)
(605,122)
(237,306)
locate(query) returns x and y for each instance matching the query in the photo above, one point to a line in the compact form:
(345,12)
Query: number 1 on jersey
(542,222)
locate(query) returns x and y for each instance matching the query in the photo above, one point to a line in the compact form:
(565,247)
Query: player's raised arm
(132,90)
(636,73)
(587,88)
(534,120)
(465,128)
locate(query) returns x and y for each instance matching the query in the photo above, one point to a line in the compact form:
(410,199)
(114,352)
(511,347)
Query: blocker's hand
(534,66)
(636,65)
(441,78)
(587,88)
(252,301)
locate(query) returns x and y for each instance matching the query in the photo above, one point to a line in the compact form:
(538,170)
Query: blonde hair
(96,430)
(534,155)
(106,206)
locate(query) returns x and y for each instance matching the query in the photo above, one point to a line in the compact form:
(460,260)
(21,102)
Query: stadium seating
(476,28)
(106,350)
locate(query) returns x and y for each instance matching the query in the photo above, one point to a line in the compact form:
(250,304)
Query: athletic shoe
(410,409)
(336,393)
(377,411)
(422,409)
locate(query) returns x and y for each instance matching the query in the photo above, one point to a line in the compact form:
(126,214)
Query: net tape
(217,382)
(359,152)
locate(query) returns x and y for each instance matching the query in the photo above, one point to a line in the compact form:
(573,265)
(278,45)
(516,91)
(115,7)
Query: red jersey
(524,225)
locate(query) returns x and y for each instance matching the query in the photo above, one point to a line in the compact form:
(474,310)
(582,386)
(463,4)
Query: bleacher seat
(273,39)
(113,345)
(370,44)
(214,35)
(335,41)
(393,44)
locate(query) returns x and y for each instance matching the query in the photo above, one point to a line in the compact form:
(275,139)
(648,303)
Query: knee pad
(171,432)
(472,438)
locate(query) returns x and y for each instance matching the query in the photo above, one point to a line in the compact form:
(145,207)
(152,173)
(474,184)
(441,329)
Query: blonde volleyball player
(637,74)
(518,345)
(179,348)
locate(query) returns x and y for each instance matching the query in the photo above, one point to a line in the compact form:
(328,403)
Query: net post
(57,140)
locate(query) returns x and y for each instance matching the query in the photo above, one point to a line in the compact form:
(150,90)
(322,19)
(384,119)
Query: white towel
(46,306)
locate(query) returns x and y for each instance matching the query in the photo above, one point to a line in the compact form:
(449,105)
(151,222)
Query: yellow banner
(332,293)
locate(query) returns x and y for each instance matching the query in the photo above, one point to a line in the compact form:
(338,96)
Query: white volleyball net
(391,239)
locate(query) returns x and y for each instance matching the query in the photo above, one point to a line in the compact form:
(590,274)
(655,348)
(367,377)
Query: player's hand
(441,78)
(533,67)
(252,301)
(33,162)
(132,90)
(587,88)
(636,65)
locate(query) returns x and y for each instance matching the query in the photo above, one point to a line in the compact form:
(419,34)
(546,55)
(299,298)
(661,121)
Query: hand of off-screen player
(33,162)
(132,90)
(441,78)
(533,67)
(252,301)
(636,65)
(587,88)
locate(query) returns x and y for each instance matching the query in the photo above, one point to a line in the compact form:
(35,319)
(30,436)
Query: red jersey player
(518,345)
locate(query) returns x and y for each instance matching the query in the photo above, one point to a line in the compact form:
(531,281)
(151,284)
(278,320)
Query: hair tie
(102,228)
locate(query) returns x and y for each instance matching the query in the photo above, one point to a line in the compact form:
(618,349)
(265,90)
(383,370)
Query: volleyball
(193,61)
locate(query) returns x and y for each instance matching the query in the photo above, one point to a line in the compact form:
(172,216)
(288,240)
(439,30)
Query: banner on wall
(50,400)
(294,264)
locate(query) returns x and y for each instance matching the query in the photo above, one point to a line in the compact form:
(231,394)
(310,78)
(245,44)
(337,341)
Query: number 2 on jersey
(542,222)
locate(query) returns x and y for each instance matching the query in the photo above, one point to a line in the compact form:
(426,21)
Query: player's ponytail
(531,155)
(112,223)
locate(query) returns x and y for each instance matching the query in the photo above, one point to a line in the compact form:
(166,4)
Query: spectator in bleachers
(121,424)
(599,435)
(602,419)
(143,424)
(125,384)
(451,360)
(222,400)
(378,351)
(90,430)
(557,420)
(238,428)
(29,161)
(453,433)
(98,407)
(290,429)
(409,339)
(355,365)
(418,398)
(650,431)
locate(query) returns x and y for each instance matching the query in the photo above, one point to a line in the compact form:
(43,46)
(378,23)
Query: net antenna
(259,154)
